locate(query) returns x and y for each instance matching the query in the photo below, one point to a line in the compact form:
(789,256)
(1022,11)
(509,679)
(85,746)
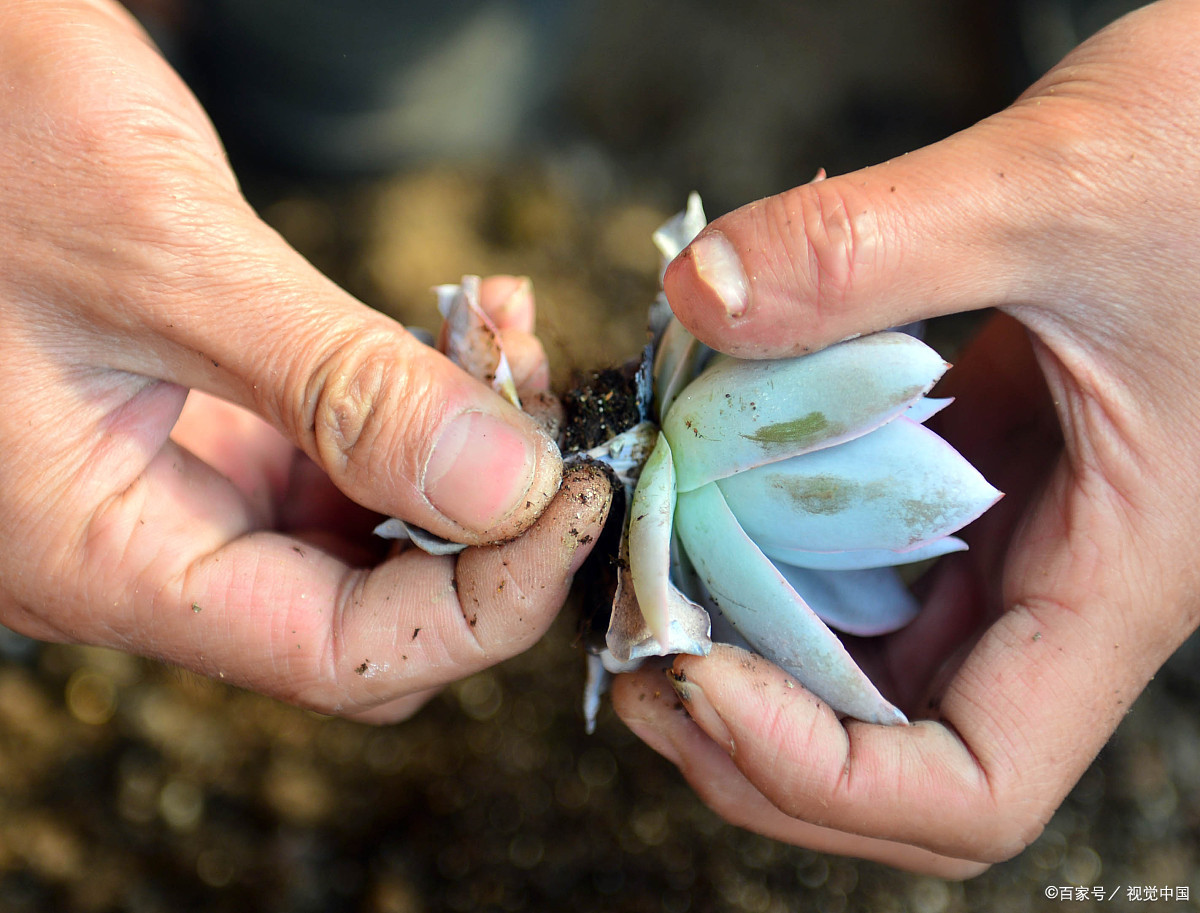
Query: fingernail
(719,267)
(480,470)
(701,710)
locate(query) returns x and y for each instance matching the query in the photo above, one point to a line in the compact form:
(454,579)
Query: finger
(222,304)
(393,423)
(799,756)
(926,234)
(509,301)
(284,488)
(271,614)
(1035,700)
(240,446)
(527,360)
(652,710)
(1017,210)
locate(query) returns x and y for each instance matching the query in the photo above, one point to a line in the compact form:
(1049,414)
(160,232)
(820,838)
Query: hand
(1077,213)
(238,544)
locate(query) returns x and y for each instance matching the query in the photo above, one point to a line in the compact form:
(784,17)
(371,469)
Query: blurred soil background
(129,786)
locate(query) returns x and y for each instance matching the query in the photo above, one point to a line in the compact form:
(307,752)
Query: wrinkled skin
(1077,213)
(227,529)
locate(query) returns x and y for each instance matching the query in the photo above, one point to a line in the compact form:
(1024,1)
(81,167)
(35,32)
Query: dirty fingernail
(701,710)
(718,266)
(480,470)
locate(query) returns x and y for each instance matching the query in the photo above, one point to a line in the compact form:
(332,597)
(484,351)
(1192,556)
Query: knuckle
(1018,819)
(341,410)
(841,238)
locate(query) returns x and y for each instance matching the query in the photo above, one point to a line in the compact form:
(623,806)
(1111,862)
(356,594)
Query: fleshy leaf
(677,232)
(897,487)
(767,611)
(395,528)
(739,414)
(926,408)
(594,688)
(471,340)
(679,357)
(650,516)
(862,558)
(678,354)
(629,639)
(651,616)
(668,622)
(866,603)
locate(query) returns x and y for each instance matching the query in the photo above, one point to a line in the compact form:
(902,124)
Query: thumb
(915,237)
(394,424)
(980,219)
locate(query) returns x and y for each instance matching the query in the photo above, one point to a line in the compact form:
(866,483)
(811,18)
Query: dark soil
(601,406)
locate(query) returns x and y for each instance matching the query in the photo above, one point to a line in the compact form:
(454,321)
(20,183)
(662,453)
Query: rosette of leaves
(779,498)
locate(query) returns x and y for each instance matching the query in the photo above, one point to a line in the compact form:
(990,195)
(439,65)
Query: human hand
(238,544)
(1077,213)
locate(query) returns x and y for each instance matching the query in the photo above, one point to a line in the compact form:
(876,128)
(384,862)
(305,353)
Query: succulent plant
(778,499)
